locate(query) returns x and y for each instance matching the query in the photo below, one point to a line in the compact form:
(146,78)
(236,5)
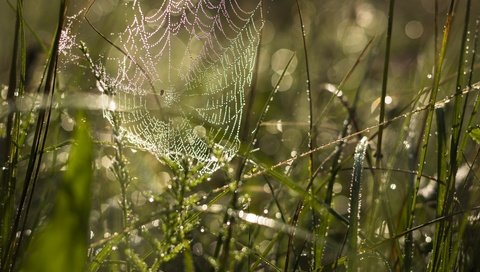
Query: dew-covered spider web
(177,76)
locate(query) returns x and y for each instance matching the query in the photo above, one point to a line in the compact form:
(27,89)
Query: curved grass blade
(355,203)
(65,235)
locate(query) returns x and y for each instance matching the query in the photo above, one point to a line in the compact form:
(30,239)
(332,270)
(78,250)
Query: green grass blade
(309,91)
(9,144)
(310,134)
(355,203)
(263,113)
(459,110)
(441,189)
(476,103)
(412,198)
(384,83)
(441,157)
(62,245)
(39,140)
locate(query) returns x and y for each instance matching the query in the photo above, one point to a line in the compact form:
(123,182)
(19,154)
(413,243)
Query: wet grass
(390,188)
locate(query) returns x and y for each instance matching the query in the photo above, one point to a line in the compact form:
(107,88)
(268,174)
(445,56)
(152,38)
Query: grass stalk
(462,224)
(441,188)
(299,208)
(271,168)
(456,244)
(476,103)
(243,159)
(378,155)
(172,221)
(381,118)
(355,203)
(41,131)
(42,126)
(309,91)
(228,218)
(426,224)
(408,261)
(446,194)
(9,154)
(119,166)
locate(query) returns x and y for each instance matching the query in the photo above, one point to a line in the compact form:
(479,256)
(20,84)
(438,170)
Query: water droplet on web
(173,122)
(388,100)
(112,106)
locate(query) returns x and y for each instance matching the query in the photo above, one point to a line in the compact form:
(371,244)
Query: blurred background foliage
(169,211)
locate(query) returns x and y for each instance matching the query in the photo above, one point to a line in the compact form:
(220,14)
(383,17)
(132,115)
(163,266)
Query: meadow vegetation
(357,148)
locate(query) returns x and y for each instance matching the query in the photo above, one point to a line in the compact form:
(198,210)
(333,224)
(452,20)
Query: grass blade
(39,140)
(408,262)
(65,235)
(384,83)
(355,203)
(9,158)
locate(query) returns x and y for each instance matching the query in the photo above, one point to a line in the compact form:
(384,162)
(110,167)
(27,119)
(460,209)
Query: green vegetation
(357,148)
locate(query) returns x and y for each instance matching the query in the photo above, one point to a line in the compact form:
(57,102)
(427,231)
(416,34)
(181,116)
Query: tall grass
(330,176)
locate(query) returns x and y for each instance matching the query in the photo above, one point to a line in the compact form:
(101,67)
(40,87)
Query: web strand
(179,87)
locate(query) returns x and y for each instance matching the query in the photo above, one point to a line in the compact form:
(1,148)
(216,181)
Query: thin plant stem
(384,83)
(310,133)
(408,262)
(8,157)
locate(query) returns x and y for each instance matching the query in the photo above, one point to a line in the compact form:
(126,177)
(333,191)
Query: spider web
(179,74)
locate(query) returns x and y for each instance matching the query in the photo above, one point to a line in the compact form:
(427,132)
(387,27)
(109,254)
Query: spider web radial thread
(180,82)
